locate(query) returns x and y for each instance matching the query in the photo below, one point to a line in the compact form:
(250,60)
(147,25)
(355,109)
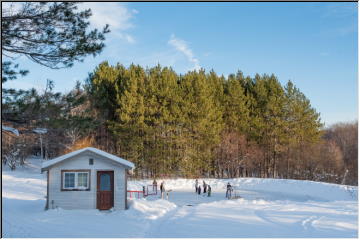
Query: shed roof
(46,165)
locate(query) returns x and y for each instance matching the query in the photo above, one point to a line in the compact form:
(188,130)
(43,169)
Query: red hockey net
(151,190)
(135,194)
(147,190)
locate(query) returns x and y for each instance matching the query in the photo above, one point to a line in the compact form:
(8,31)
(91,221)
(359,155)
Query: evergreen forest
(197,124)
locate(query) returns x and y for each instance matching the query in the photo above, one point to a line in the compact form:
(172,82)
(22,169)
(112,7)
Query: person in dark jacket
(196,185)
(162,189)
(204,186)
(154,185)
(199,189)
(209,190)
(228,190)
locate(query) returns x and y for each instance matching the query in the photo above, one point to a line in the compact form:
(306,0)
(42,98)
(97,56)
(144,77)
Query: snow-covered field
(268,208)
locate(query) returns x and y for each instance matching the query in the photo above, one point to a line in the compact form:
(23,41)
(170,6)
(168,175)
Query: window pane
(82,180)
(69,180)
(105,182)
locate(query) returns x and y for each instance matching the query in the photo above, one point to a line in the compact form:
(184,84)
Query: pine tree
(203,123)
(128,127)
(268,120)
(162,118)
(303,123)
(52,34)
(236,119)
(104,86)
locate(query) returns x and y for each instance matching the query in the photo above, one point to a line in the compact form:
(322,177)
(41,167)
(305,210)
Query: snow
(54,161)
(40,130)
(268,208)
(10,129)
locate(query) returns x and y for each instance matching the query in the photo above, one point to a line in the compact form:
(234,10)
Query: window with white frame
(76,180)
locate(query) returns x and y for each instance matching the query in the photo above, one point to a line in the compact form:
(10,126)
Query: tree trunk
(288,163)
(274,165)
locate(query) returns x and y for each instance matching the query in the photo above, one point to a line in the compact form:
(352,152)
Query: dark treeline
(198,124)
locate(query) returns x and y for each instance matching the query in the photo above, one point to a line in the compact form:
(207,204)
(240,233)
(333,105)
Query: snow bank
(152,209)
(23,188)
(25,182)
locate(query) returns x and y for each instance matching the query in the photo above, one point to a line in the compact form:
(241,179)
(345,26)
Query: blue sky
(312,44)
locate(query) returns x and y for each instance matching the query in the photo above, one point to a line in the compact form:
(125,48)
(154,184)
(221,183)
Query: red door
(105,190)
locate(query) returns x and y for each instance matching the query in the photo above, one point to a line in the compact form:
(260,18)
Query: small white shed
(87,179)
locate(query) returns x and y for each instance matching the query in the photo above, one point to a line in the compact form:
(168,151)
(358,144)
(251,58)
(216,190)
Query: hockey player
(162,189)
(196,185)
(228,190)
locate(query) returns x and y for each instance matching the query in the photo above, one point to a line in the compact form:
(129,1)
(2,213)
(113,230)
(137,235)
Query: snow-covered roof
(40,130)
(10,129)
(46,165)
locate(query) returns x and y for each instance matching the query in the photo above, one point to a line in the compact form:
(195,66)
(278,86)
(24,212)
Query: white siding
(85,199)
